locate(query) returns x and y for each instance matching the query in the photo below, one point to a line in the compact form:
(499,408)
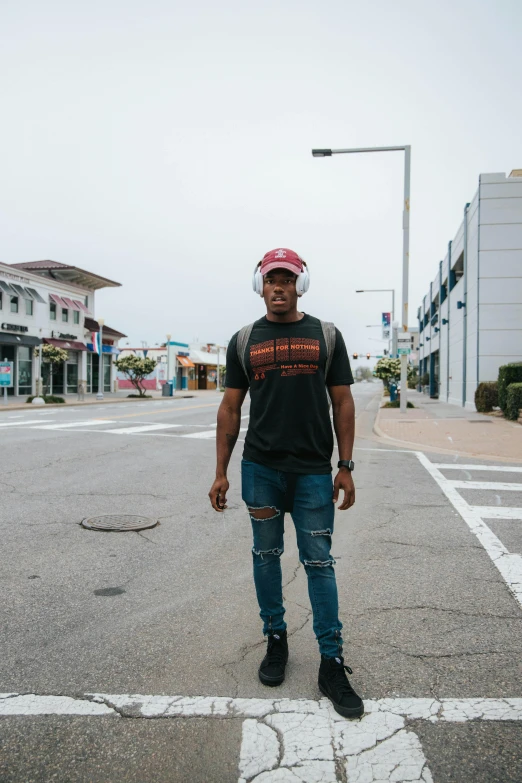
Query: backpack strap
(329,335)
(243,337)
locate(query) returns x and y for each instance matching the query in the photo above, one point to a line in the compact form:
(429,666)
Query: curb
(27,406)
(405,444)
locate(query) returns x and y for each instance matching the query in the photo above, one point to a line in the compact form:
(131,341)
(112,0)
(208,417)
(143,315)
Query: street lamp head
(168,338)
(101,321)
(322,153)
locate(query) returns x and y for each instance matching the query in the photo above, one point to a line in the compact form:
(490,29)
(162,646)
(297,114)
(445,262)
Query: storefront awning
(6,288)
(18,339)
(69,345)
(71,303)
(58,300)
(184,361)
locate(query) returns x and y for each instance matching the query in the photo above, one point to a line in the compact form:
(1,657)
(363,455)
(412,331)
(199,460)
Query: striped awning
(72,303)
(58,300)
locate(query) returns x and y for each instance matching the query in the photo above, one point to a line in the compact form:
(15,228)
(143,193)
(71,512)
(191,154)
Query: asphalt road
(431,624)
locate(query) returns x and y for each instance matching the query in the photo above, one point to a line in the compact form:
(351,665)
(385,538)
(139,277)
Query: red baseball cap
(281,258)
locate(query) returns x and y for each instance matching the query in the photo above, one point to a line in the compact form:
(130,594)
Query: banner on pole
(386,326)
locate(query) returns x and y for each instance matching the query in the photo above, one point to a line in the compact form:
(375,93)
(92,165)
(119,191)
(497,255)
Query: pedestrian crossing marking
(457,466)
(19,423)
(88,423)
(497,512)
(141,428)
(509,564)
(295,739)
(502,486)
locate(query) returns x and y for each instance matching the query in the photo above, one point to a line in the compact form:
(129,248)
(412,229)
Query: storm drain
(119,522)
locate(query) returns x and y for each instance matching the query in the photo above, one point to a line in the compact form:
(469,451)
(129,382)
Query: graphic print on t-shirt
(290,355)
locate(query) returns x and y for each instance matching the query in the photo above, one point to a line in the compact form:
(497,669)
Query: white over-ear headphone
(302,284)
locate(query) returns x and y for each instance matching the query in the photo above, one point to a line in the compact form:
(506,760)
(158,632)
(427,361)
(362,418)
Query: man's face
(279,291)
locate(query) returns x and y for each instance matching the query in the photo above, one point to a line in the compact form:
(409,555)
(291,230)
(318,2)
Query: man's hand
(218,493)
(344,481)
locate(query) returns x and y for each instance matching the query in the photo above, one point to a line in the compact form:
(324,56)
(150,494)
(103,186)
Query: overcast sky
(166,145)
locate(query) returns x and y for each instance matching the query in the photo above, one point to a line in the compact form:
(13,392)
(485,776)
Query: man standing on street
(290,361)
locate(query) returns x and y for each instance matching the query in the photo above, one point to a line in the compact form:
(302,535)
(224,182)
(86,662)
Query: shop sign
(62,336)
(15,328)
(6,373)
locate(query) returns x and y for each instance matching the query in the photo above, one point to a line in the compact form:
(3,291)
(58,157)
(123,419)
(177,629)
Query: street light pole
(99,396)
(326,153)
(168,358)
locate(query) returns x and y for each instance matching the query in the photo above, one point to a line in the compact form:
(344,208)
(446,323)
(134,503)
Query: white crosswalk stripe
(142,428)
(89,423)
(19,423)
(508,563)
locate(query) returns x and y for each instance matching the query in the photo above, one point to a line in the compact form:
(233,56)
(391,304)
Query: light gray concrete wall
(500,273)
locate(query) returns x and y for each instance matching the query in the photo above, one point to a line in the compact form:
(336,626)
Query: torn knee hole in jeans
(264,513)
(277,552)
(326,532)
(319,563)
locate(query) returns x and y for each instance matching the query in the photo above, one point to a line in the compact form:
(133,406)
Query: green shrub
(425,379)
(486,396)
(507,374)
(49,399)
(397,404)
(514,401)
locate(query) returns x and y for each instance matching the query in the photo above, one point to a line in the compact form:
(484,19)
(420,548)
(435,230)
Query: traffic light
(355,355)
(368,356)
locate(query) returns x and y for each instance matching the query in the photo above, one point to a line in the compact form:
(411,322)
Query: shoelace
(275,650)
(340,678)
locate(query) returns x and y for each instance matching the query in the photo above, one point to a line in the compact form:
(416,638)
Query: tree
(53,355)
(388,370)
(364,373)
(136,369)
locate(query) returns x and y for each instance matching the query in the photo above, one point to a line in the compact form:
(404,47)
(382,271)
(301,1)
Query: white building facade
(470,321)
(49,302)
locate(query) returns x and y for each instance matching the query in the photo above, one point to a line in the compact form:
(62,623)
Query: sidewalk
(19,403)
(450,429)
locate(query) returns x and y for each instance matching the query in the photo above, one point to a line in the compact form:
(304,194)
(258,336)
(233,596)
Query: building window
(86,301)
(52,311)
(0,300)
(76,316)
(457,271)
(28,306)
(14,304)
(25,370)
(65,315)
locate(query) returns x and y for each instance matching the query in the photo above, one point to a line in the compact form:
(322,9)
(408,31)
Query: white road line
(143,428)
(295,739)
(88,423)
(19,423)
(504,486)
(207,434)
(18,416)
(456,466)
(509,565)
(497,512)
(203,435)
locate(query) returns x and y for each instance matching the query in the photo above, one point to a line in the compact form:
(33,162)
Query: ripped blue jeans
(310,499)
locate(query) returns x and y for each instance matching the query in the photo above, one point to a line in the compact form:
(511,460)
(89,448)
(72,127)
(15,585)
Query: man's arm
(343,409)
(228,424)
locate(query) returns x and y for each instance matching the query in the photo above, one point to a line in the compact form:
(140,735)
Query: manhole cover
(119,522)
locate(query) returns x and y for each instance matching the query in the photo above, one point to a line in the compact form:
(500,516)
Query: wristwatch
(346,463)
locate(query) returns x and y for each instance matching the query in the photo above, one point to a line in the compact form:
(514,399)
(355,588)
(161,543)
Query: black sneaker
(272,669)
(334,683)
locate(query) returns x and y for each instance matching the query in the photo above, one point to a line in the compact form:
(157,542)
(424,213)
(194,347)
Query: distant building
(470,321)
(50,302)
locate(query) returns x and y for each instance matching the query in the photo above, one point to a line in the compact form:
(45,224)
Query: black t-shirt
(290,428)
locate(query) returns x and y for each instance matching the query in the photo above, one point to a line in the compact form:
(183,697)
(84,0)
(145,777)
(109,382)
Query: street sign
(404,351)
(6,373)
